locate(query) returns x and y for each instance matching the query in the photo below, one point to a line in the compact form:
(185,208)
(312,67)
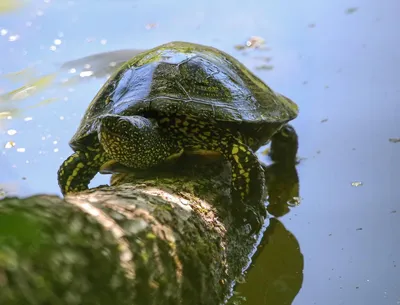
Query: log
(160,237)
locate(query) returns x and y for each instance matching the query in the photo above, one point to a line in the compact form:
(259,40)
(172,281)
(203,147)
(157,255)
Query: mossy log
(164,238)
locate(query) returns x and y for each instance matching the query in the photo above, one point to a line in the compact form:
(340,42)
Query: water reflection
(281,176)
(279,274)
(278,277)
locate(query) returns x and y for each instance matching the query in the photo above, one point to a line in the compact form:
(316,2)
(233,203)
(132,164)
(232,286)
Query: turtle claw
(255,219)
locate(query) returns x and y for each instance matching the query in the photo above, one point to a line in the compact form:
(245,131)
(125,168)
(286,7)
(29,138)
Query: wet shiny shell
(191,79)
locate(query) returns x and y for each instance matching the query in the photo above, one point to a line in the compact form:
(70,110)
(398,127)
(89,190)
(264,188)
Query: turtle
(181,97)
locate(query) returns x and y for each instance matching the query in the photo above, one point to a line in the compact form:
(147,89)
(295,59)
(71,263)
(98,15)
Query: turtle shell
(181,78)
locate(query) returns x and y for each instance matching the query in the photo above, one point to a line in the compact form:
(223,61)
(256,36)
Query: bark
(143,240)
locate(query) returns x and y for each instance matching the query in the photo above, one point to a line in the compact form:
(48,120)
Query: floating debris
(356,183)
(150,26)
(359,229)
(324,120)
(254,42)
(265,67)
(351,10)
(394,140)
(311,25)
(9,144)
(263,58)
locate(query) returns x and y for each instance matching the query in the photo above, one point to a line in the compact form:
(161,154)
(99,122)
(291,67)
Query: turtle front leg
(76,172)
(248,184)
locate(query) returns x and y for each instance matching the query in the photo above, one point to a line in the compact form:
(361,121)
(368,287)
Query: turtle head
(284,145)
(133,141)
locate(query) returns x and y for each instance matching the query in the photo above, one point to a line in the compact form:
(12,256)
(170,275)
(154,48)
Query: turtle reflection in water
(180,97)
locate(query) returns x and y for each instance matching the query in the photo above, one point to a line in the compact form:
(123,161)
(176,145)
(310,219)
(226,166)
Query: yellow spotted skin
(174,97)
(247,173)
(76,171)
(138,142)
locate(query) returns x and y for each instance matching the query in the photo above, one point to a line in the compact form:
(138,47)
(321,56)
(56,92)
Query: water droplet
(28,118)
(53,48)
(55,142)
(55,149)
(103,41)
(61,118)
(73,70)
(3,32)
(11,132)
(21,149)
(57,42)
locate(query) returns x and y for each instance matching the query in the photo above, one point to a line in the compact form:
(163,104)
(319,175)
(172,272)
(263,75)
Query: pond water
(339,61)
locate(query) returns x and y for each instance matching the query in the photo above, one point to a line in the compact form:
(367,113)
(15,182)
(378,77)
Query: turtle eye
(284,133)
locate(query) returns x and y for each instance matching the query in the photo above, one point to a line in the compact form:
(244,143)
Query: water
(338,61)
